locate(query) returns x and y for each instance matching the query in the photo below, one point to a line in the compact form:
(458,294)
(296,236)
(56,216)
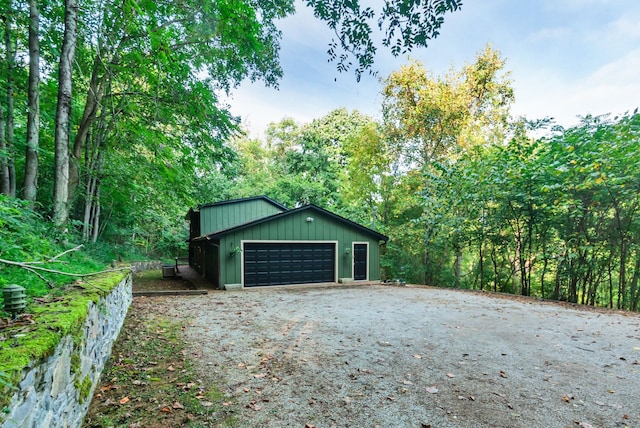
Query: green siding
(215,218)
(296,228)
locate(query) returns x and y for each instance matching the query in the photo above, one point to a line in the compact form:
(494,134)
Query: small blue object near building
(256,241)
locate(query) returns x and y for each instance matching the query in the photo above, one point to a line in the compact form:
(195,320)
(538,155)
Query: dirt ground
(382,356)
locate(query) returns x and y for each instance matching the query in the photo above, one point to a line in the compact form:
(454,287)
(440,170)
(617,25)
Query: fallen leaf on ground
(451,375)
(166,409)
(178,406)
(432,390)
(124,400)
(254,406)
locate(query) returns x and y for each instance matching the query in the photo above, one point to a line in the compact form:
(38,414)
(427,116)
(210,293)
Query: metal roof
(253,198)
(311,207)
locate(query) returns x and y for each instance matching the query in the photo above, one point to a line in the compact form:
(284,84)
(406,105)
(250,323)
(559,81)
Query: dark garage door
(291,263)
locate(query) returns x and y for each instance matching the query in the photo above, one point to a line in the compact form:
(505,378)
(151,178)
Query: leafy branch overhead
(406,24)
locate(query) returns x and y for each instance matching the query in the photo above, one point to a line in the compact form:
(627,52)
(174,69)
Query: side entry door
(360,254)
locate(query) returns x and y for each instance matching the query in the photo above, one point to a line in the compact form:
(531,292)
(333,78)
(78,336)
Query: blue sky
(566,58)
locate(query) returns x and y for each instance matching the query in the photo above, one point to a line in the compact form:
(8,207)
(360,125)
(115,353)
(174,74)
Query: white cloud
(625,28)
(612,88)
(549,34)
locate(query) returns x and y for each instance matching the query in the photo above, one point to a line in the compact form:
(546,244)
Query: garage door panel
(288,263)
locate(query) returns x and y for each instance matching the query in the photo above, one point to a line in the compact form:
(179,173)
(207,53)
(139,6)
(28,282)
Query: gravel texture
(382,356)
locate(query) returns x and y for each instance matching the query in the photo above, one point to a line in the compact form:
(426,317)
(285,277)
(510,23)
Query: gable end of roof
(286,213)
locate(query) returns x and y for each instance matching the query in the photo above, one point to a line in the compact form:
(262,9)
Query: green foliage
(301,164)
(406,25)
(26,237)
(555,217)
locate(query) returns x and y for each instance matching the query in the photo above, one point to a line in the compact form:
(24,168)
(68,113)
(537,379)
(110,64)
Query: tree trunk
(496,269)
(481,266)
(10,49)
(95,224)
(610,276)
(622,274)
(30,185)
(94,96)
(557,288)
(63,113)
(95,163)
(5,183)
(635,295)
(458,267)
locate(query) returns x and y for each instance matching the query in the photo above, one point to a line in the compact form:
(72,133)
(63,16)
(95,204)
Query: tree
(30,185)
(138,118)
(63,112)
(428,120)
(406,25)
(7,139)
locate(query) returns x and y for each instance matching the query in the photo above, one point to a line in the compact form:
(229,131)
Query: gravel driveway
(367,356)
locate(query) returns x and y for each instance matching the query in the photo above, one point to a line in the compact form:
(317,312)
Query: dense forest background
(111,128)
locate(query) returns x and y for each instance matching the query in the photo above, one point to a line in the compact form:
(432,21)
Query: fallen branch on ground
(30,266)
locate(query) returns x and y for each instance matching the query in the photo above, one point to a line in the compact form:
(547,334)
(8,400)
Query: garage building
(258,242)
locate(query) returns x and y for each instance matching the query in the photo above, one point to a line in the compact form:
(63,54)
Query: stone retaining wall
(145,265)
(56,392)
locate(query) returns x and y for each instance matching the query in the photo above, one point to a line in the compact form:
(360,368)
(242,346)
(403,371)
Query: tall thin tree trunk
(94,96)
(94,162)
(96,215)
(458,267)
(496,270)
(610,275)
(635,295)
(5,183)
(10,49)
(63,113)
(481,266)
(30,185)
(90,188)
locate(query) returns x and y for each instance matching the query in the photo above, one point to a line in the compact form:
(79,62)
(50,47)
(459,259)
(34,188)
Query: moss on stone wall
(84,388)
(55,317)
